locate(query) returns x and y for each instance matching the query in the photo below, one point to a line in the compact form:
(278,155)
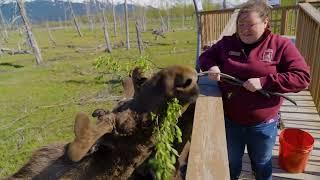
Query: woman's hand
(214,73)
(252,84)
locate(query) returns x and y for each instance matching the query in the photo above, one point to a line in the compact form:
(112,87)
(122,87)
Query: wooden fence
(283,21)
(212,23)
(308,42)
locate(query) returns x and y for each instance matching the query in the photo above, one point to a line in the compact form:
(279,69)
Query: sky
(142,2)
(157,3)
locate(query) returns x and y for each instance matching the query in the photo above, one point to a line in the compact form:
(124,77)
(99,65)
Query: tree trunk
(127,24)
(183,14)
(89,16)
(60,23)
(121,27)
(224,4)
(75,20)
(4,26)
(51,39)
(114,19)
(139,40)
(162,24)
(1,49)
(65,15)
(144,19)
(105,31)
(31,38)
(168,17)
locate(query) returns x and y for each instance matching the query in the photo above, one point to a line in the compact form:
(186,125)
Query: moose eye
(185,84)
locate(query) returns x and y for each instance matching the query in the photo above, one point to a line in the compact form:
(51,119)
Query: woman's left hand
(252,84)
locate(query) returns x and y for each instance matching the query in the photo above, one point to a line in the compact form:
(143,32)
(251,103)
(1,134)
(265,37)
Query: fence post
(283,21)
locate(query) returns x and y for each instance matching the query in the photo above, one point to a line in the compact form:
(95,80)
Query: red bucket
(295,147)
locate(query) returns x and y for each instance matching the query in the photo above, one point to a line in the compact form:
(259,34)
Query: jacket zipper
(242,50)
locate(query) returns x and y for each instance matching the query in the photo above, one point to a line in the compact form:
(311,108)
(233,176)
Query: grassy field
(38,103)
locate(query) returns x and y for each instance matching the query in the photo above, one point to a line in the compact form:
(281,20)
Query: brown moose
(121,139)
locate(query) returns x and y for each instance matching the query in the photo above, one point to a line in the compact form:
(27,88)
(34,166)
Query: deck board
(305,117)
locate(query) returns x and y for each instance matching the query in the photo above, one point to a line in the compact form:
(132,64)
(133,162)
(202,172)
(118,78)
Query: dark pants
(259,139)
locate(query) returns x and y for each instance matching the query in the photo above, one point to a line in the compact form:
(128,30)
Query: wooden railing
(308,42)
(212,25)
(283,21)
(208,157)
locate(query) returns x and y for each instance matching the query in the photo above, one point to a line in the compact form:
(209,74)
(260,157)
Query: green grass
(38,103)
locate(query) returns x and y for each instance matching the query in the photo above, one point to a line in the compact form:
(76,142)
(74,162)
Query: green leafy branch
(108,65)
(166,134)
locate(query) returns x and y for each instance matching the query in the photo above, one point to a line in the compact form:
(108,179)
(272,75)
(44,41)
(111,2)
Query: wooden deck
(305,117)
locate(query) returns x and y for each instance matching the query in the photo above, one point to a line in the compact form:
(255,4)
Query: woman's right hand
(214,73)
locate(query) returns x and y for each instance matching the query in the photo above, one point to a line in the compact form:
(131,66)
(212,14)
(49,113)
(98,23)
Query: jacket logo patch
(234,53)
(267,55)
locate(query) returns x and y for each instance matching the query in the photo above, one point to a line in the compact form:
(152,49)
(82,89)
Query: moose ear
(138,79)
(167,81)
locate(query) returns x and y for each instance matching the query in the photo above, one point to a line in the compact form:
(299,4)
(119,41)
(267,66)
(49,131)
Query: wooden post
(65,14)
(198,8)
(75,20)
(283,22)
(89,16)
(51,39)
(139,41)
(114,19)
(208,157)
(184,14)
(144,19)
(4,26)
(127,24)
(162,24)
(168,17)
(105,31)
(31,38)
(1,49)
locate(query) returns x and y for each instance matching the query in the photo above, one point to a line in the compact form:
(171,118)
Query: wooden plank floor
(305,117)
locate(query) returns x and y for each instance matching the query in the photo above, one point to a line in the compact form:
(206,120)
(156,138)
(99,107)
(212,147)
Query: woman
(264,61)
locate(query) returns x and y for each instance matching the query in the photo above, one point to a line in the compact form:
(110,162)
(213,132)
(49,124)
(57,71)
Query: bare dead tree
(183,14)
(14,11)
(168,16)
(31,38)
(75,19)
(1,48)
(114,19)
(51,39)
(14,51)
(224,4)
(65,14)
(127,24)
(89,15)
(139,40)
(121,27)
(105,32)
(60,23)
(4,26)
(144,19)
(162,24)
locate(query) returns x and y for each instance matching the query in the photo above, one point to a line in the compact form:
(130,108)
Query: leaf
(173,159)
(170,166)
(175,152)
(158,174)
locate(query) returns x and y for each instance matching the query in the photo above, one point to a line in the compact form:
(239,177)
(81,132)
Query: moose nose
(187,83)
